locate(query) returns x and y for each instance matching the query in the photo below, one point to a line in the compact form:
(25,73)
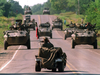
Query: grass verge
(4,25)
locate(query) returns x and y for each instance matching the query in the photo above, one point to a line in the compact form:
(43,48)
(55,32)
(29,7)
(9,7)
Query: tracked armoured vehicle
(84,37)
(16,37)
(45,30)
(57,23)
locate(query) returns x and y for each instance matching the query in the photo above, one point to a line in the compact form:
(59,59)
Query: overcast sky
(30,2)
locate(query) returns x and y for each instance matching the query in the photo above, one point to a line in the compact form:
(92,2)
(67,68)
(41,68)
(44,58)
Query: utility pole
(78,8)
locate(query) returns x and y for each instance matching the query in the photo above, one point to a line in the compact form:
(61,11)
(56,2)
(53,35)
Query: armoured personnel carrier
(84,37)
(28,11)
(45,30)
(29,23)
(69,31)
(16,37)
(57,23)
(46,11)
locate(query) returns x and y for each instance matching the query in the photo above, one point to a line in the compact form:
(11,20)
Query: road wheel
(60,67)
(33,28)
(73,44)
(61,28)
(37,67)
(51,36)
(54,70)
(65,37)
(38,36)
(5,45)
(95,44)
(52,28)
(28,44)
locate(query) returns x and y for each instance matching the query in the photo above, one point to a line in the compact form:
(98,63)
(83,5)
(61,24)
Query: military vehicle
(45,30)
(57,23)
(84,37)
(69,31)
(28,11)
(28,22)
(52,59)
(16,37)
(46,11)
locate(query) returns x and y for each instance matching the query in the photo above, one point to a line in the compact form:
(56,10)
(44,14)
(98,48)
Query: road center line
(11,59)
(70,68)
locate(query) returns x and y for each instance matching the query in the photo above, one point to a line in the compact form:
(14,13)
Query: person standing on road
(36,30)
(64,22)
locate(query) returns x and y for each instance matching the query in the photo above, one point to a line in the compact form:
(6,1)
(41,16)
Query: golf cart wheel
(5,45)
(54,70)
(37,67)
(28,44)
(95,44)
(60,67)
(73,44)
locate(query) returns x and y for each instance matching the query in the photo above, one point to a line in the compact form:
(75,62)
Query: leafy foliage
(10,8)
(93,13)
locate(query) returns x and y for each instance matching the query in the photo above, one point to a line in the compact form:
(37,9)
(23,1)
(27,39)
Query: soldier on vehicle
(47,43)
(88,26)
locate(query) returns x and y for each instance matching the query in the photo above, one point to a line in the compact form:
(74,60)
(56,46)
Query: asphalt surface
(21,61)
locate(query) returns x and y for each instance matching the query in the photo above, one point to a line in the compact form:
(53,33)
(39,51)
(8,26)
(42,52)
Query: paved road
(81,60)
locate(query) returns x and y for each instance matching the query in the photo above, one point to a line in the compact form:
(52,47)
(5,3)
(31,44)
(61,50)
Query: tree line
(10,8)
(89,8)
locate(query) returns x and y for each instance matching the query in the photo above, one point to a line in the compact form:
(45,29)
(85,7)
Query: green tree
(93,13)
(59,4)
(15,8)
(7,9)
